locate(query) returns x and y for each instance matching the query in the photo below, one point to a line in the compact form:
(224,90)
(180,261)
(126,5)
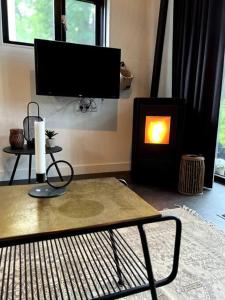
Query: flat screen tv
(74,70)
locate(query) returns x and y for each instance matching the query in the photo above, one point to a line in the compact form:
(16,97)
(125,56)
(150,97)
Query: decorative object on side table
(28,125)
(50,190)
(50,141)
(16,138)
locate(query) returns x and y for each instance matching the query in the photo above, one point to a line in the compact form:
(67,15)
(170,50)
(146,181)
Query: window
(220,155)
(76,21)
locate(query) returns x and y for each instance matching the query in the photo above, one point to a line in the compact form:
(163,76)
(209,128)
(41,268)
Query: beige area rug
(46,270)
(202,261)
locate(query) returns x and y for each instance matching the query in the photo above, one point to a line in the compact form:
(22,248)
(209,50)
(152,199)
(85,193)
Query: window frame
(60,32)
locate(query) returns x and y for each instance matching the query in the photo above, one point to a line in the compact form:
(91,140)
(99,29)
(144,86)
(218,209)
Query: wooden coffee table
(71,246)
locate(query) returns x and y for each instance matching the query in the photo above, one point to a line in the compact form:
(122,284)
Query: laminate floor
(209,205)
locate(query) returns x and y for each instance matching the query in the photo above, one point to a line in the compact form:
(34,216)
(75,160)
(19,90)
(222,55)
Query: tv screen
(74,70)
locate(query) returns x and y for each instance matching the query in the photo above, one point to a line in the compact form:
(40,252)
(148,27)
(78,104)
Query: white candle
(40,163)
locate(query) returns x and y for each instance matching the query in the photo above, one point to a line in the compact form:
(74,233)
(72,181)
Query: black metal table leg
(176,253)
(30,164)
(119,273)
(57,168)
(147,262)
(14,169)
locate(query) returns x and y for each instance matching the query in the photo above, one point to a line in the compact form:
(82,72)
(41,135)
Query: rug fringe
(194,213)
(191,211)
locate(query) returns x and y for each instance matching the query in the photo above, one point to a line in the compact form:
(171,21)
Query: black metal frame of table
(90,243)
(30,152)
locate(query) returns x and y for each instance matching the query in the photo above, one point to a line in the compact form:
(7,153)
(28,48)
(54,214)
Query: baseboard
(101,168)
(79,169)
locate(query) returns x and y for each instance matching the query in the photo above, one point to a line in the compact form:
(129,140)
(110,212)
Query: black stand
(14,169)
(147,262)
(46,191)
(49,191)
(30,152)
(116,258)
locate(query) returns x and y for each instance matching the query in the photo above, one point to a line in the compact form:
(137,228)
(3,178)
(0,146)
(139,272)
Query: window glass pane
(220,156)
(80,18)
(29,19)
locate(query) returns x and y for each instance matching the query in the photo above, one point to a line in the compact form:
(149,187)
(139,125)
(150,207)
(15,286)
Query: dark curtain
(198,56)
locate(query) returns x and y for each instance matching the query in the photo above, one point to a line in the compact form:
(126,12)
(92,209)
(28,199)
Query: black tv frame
(100,93)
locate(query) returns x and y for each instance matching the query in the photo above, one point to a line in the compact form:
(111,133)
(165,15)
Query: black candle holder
(50,190)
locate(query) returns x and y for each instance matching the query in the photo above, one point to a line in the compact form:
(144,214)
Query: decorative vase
(16,138)
(50,143)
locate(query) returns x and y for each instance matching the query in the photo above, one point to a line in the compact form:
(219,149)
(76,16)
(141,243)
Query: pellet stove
(157,140)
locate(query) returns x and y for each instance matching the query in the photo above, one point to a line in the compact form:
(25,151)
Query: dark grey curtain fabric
(198,56)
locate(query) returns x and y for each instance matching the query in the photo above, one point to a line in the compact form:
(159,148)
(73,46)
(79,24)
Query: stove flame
(157,129)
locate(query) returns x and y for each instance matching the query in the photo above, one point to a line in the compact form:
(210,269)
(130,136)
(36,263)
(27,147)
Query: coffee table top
(86,204)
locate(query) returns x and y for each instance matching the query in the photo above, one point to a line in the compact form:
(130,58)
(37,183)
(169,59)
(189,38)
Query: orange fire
(157,130)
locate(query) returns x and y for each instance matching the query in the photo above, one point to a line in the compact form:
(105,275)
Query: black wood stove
(157,140)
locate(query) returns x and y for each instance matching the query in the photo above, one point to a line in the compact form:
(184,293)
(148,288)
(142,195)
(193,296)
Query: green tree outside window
(35,19)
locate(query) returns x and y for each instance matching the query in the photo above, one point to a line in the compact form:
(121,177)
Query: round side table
(30,152)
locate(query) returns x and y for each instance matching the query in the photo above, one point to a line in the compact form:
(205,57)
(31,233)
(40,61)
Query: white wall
(93,142)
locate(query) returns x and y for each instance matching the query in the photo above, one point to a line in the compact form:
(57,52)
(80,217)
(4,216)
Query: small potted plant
(50,141)
(220,166)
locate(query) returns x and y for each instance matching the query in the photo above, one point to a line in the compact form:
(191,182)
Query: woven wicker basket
(191,177)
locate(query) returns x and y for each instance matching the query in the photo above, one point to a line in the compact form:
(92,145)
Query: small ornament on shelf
(50,141)
(16,138)
(125,77)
